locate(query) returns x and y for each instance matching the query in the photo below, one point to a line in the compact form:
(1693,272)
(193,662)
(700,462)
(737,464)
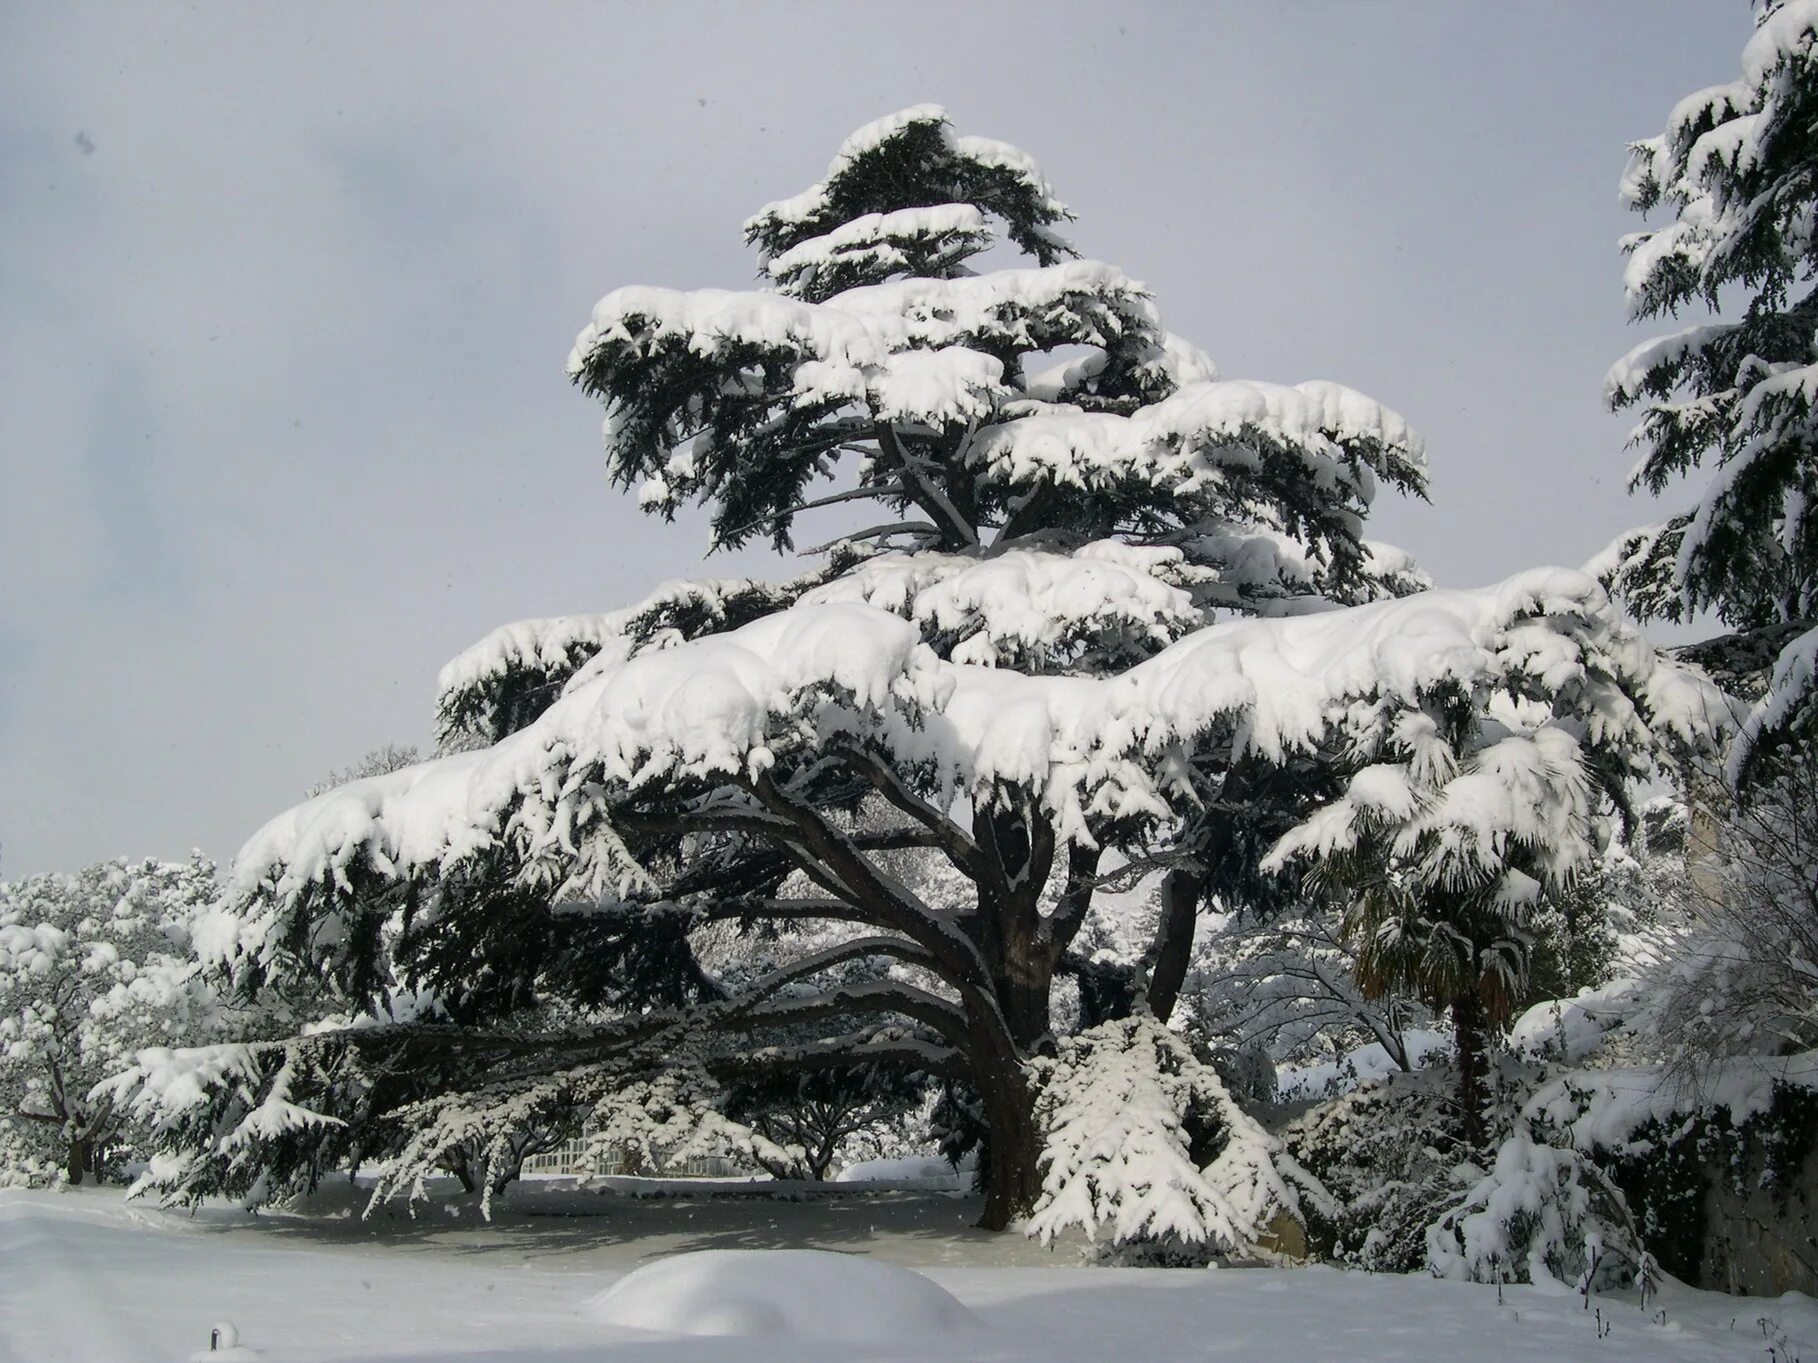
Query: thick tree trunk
(1023,992)
(457,1165)
(1181,891)
(1467,1031)
(1012,1149)
(78,1161)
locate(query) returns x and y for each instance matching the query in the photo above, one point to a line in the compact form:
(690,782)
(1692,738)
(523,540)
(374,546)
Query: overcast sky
(286,293)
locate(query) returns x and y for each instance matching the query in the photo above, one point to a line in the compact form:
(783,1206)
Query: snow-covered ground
(84,1276)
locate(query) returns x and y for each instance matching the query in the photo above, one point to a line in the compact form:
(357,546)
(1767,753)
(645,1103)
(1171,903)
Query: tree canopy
(1119,618)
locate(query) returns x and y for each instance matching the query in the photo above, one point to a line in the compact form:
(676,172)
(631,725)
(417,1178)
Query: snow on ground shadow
(91,1279)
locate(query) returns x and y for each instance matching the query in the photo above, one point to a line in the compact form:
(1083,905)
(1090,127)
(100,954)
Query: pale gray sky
(285,296)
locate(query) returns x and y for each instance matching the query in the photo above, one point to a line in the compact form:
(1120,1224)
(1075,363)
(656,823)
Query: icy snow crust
(782,1294)
(720,707)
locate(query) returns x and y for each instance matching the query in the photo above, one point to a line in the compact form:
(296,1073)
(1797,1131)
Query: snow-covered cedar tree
(93,966)
(1030,655)
(1144,1145)
(1733,397)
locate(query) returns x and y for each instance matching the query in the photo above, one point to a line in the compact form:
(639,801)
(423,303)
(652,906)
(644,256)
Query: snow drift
(780,1293)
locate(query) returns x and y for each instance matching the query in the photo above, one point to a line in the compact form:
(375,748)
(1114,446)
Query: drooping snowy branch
(1734,397)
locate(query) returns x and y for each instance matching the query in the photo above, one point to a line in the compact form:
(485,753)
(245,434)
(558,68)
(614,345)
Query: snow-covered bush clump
(1744,977)
(781,1294)
(93,966)
(1387,1155)
(1716,1169)
(1144,1146)
(1540,1212)
(1571,1031)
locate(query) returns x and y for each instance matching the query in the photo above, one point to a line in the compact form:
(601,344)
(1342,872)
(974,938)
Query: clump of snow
(781,1293)
(1364,1065)
(1572,1029)
(1603,1108)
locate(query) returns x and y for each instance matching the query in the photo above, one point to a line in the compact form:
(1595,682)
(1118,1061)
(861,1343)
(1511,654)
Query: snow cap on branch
(1543,658)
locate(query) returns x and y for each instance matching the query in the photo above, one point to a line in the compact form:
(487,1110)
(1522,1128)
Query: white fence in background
(571,1157)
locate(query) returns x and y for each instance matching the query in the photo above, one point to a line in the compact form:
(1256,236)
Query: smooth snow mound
(780,1293)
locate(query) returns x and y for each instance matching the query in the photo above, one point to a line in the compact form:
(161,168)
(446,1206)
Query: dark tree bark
(1012,1147)
(78,1161)
(1181,892)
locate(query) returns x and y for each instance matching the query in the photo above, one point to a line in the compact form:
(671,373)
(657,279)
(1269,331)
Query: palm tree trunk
(1467,1031)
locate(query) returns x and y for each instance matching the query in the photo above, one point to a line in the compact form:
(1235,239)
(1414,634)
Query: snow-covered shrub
(1143,1142)
(1745,978)
(1386,1154)
(1717,1173)
(93,966)
(1540,1212)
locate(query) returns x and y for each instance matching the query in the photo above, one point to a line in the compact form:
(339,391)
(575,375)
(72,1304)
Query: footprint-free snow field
(85,1276)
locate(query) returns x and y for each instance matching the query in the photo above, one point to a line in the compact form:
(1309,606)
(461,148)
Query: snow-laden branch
(1559,674)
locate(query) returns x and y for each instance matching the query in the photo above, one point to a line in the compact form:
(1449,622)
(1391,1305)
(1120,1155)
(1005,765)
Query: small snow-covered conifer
(1144,1143)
